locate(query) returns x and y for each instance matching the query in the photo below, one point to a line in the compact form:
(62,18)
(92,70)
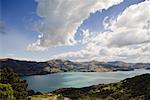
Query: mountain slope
(58,65)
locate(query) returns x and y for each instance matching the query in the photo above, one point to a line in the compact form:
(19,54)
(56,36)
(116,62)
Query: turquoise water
(50,82)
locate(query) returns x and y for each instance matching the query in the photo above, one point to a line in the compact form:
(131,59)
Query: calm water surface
(50,82)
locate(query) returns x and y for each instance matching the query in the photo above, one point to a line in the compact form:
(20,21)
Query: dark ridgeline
(58,65)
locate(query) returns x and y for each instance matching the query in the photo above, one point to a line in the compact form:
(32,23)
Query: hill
(58,65)
(136,88)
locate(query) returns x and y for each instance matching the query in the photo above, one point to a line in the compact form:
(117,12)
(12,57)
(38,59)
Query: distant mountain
(58,65)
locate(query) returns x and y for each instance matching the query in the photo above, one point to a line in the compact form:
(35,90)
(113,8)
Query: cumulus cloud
(129,28)
(61,19)
(107,22)
(128,39)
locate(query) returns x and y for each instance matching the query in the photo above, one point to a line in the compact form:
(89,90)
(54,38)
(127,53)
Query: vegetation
(32,92)
(12,87)
(136,88)
(6,92)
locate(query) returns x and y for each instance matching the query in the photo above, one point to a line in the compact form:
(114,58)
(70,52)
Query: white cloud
(61,19)
(128,40)
(36,46)
(108,21)
(129,28)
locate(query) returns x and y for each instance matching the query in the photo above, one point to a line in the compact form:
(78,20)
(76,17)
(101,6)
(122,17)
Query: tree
(19,86)
(6,92)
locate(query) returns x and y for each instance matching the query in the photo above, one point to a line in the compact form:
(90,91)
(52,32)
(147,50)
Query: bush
(31,92)
(18,86)
(6,92)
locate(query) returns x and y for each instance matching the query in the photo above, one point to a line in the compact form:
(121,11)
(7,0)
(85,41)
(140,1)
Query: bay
(51,82)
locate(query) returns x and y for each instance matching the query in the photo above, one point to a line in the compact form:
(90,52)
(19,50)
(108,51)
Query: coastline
(125,70)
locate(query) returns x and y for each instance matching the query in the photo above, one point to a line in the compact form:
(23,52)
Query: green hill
(136,88)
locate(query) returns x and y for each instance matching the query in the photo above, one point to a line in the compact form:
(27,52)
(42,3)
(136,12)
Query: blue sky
(18,17)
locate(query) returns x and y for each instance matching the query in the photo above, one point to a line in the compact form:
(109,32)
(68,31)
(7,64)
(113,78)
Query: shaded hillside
(136,88)
(23,67)
(58,65)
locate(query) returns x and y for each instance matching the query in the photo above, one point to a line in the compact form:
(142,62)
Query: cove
(51,82)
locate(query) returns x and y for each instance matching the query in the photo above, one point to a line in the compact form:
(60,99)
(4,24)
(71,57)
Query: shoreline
(83,71)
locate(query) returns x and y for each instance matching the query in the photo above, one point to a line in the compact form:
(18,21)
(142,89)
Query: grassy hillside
(136,88)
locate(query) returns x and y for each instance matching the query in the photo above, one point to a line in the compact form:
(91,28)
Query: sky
(77,30)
